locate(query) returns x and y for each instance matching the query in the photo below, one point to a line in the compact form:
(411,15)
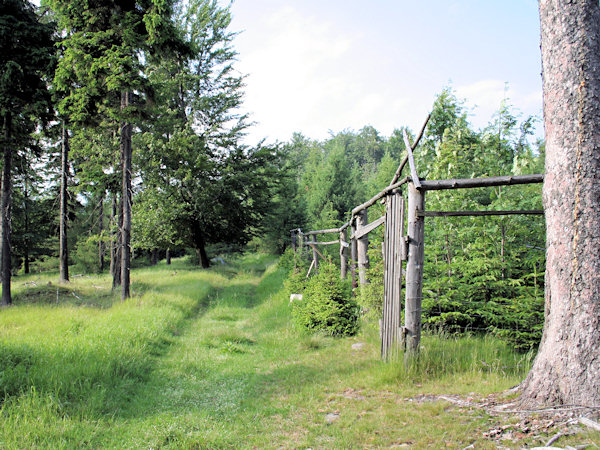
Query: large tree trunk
(567,367)
(6,204)
(126,199)
(63,247)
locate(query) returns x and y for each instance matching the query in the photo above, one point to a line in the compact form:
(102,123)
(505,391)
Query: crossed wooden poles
(401,243)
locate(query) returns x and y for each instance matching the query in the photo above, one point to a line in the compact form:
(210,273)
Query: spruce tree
(26,58)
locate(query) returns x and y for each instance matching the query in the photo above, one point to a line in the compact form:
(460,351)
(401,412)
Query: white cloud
(317,73)
(305,76)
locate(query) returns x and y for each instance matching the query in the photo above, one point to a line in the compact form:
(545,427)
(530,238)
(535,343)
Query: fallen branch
(590,423)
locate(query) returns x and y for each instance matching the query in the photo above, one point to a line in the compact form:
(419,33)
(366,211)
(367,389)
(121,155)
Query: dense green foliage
(198,187)
(481,273)
(327,305)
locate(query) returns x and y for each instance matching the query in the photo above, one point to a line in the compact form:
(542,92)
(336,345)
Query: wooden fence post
(362,246)
(343,254)
(414,269)
(314,252)
(353,252)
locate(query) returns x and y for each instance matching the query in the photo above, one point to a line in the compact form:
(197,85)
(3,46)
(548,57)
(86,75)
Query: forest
(142,150)
(147,265)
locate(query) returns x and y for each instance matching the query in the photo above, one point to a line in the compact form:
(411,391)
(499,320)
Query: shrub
(328,306)
(85,255)
(297,265)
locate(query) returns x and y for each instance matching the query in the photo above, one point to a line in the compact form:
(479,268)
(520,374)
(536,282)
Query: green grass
(209,359)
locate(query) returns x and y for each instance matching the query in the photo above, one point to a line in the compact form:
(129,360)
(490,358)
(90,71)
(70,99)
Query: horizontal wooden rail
(323,243)
(530,212)
(330,230)
(438,185)
(383,193)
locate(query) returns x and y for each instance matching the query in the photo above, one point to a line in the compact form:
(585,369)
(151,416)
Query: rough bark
(414,270)
(63,251)
(6,206)
(125,143)
(567,367)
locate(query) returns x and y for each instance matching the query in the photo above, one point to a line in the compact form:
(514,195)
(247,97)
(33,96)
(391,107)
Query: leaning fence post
(362,246)
(343,254)
(314,251)
(414,268)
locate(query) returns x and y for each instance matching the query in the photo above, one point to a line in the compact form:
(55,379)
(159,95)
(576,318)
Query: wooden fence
(404,242)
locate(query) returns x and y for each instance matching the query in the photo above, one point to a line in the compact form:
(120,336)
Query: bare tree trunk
(200,245)
(567,367)
(115,269)
(502,248)
(63,246)
(101,232)
(6,205)
(27,245)
(126,197)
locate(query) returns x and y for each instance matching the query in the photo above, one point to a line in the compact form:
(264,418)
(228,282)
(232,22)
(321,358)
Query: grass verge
(209,359)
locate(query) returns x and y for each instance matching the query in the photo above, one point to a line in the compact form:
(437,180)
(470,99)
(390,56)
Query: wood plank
(530,212)
(314,248)
(437,185)
(312,264)
(368,228)
(411,161)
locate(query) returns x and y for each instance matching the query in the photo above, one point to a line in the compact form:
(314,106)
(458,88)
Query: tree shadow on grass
(62,295)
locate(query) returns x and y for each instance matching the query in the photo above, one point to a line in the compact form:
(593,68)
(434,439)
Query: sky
(323,66)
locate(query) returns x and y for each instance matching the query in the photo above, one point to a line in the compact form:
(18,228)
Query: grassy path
(209,359)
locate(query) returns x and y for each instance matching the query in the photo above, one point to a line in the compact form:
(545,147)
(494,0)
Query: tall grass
(209,359)
(87,360)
